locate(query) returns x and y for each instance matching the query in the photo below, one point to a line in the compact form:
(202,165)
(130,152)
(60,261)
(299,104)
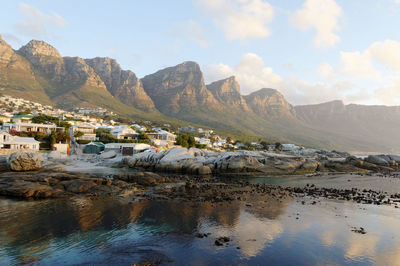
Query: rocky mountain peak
(36,48)
(269,102)
(180,86)
(122,84)
(6,52)
(227,91)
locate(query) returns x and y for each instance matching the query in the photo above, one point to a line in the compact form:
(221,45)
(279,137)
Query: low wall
(9,151)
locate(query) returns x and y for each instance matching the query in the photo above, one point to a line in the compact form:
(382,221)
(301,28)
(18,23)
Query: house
(4,137)
(5,119)
(139,127)
(124,132)
(162,137)
(29,127)
(118,147)
(8,141)
(290,147)
(94,147)
(88,130)
(22,118)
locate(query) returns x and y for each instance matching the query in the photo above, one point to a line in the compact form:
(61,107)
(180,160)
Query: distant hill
(179,95)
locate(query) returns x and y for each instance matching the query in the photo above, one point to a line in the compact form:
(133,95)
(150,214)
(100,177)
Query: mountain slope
(122,84)
(18,77)
(178,95)
(377,125)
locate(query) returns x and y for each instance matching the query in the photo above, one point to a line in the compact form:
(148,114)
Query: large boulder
(25,161)
(108,155)
(378,160)
(176,155)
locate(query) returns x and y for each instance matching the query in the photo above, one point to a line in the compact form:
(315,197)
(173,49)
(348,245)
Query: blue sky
(311,50)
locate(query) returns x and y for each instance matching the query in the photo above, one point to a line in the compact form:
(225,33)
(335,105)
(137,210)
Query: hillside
(179,95)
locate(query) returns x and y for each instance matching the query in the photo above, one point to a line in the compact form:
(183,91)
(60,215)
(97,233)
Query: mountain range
(179,95)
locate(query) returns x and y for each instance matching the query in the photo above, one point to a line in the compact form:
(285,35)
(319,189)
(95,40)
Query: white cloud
(321,15)
(34,23)
(239,19)
(356,64)
(389,94)
(364,64)
(251,73)
(387,53)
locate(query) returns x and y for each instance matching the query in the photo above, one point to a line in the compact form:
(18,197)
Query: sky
(312,51)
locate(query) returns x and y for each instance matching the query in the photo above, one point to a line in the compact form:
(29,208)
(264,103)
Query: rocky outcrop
(227,91)
(44,57)
(25,161)
(202,162)
(122,84)
(176,88)
(269,103)
(54,185)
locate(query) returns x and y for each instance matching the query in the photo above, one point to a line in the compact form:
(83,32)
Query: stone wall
(9,151)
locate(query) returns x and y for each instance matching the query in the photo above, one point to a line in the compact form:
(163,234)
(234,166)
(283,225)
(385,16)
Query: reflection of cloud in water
(361,246)
(252,234)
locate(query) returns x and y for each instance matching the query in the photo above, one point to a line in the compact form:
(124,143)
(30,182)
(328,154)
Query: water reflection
(263,230)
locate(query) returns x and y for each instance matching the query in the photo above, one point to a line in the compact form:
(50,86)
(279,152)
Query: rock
(108,155)
(25,161)
(142,178)
(57,156)
(79,186)
(3,164)
(376,159)
(395,158)
(176,155)
(204,170)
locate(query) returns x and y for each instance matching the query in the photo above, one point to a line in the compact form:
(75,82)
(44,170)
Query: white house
(139,127)
(88,130)
(137,147)
(8,141)
(290,147)
(162,137)
(29,127)
(123,132)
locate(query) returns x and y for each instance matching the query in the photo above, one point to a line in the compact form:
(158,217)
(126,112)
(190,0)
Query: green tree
(78,134)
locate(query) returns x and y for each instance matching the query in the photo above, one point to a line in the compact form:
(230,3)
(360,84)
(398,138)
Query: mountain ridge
(179,94)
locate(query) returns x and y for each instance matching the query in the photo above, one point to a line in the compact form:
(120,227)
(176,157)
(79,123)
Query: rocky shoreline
(203,162)
(211,186)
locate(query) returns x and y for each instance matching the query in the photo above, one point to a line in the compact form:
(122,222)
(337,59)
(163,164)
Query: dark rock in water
(142,178)
(359,230)
(378,160)
(52,185)
(220,241)
(79,186)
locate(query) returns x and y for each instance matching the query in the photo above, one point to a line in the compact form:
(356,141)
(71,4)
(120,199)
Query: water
(111,231)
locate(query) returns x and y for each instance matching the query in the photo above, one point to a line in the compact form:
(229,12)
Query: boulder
(78,186)
(25,161)
(378,160)
(175,155)
(108,155)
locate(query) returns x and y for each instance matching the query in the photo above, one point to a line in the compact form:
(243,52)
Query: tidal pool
(113,231)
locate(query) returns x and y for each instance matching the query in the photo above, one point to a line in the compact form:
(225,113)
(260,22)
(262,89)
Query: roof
(22,140)
(96,143)
(32,124)
(22,116)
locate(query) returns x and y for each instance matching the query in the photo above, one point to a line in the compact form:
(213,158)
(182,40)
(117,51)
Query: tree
(278,146)
(104,135)
(78,134)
